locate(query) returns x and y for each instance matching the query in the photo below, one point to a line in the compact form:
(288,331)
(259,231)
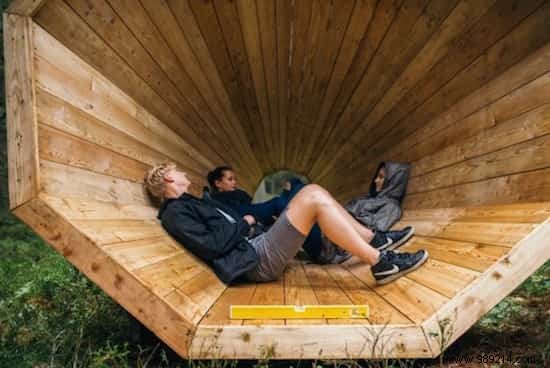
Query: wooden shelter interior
(99,91)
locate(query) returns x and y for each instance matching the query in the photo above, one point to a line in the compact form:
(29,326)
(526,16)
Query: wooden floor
(462,244)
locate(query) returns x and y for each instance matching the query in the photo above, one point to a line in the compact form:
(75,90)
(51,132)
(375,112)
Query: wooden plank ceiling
(322,87)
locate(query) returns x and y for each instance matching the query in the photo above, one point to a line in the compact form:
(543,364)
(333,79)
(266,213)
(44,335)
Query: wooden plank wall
(95,144)
(329,88)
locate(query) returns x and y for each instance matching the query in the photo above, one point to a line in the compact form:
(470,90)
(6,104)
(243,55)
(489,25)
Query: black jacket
(199,226)
(232,198)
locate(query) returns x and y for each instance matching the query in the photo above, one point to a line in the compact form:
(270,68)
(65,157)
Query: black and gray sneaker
(393,265)
(390,240)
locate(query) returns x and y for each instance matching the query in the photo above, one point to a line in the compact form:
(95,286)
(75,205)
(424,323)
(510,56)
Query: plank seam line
(332,126)
(376,291)
(473,242)
(480,155)
(520,172)
(44,89)
(310,159)
(173,84)
(107,255)
(397,123)
(107,45)
(519,22)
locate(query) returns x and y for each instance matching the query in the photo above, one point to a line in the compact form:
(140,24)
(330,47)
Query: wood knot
(118,281)
(245,336)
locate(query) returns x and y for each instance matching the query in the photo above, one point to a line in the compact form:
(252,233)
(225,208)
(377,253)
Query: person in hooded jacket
(380,209)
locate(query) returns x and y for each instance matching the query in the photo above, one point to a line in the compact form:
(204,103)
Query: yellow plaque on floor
(298,311)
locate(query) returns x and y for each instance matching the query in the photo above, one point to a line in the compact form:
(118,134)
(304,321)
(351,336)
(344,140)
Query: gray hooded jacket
(379,211)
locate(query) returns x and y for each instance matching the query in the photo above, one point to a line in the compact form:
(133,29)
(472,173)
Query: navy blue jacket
(201,228)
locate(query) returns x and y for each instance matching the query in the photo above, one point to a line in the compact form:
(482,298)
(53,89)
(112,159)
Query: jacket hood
(395,183)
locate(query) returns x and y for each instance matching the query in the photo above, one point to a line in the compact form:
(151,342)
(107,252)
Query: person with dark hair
(223,184)
(380,209)
(223,188)
(219,236)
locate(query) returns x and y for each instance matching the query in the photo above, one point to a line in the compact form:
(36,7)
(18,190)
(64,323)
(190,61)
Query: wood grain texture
(459,88)
(25,8)
(115,280)
(484,293)
(22,135)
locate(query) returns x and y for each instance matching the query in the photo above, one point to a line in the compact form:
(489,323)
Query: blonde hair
(154,179)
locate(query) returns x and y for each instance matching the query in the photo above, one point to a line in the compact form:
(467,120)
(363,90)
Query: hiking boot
(392,265)
(391,240)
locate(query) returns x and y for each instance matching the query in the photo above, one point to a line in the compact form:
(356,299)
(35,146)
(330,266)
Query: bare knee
(317,194)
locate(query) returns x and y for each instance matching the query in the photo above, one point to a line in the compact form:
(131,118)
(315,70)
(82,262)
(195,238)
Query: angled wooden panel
(120,284)
(309,342)
(492,286)
(517,91)
(20,110)
(328,291)
(64,75)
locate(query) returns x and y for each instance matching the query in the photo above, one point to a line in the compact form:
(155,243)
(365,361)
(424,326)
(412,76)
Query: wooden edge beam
(309,342)
(23,170)
(470,305)
(26,8)
(119,284)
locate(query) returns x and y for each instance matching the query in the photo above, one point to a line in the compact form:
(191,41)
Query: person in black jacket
(223,188)
(219,236)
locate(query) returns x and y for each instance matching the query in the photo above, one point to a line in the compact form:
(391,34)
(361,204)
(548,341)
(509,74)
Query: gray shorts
(275,249)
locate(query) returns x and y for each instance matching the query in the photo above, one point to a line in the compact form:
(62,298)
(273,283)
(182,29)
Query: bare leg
(314,204)
(363,231)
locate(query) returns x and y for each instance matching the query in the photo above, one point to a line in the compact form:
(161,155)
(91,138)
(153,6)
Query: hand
(250,219)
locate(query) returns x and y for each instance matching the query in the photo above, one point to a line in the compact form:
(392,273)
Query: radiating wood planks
(71,30)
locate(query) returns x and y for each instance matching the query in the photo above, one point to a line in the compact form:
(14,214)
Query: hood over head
(395,182)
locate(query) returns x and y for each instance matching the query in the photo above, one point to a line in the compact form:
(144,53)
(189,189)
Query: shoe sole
(402,241)
(403,273)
